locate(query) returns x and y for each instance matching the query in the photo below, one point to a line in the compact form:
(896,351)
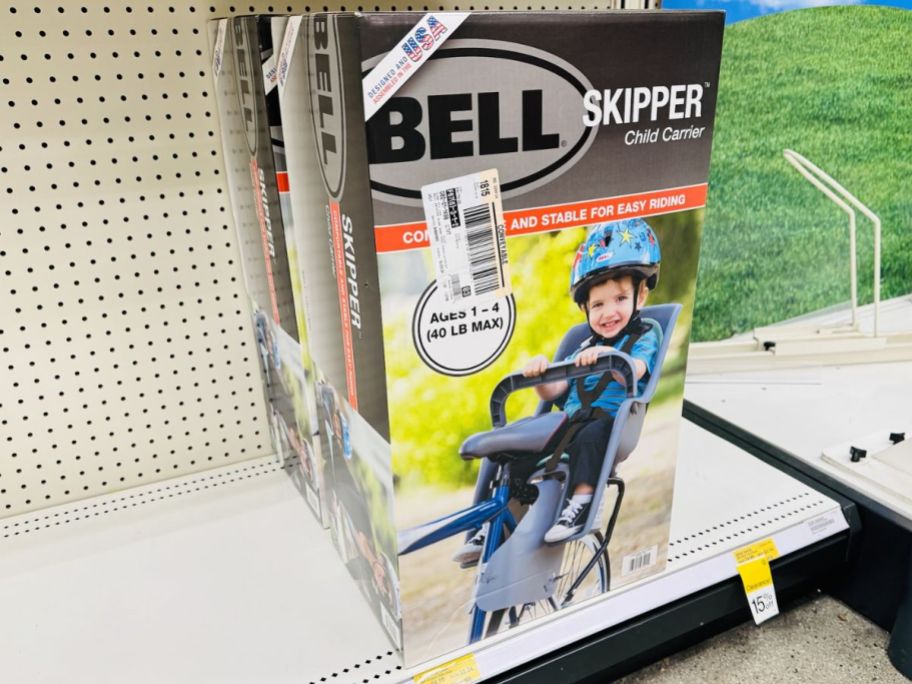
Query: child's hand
(589,356)
(536,366)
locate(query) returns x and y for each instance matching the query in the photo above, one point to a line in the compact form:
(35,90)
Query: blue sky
(736,10)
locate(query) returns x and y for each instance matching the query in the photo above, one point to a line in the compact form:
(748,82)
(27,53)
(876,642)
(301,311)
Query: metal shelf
(132,373)
(226,576)
(798,413)
(791,418)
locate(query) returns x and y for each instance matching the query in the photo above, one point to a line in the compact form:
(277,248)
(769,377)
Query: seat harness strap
(587,412)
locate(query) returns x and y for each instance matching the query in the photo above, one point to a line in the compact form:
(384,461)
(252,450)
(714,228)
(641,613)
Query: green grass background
(834,84)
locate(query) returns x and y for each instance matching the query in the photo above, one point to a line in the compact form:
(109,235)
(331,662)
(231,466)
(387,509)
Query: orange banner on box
(348,349)
(405,236)
(266,236)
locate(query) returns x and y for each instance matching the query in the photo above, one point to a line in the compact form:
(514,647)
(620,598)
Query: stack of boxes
(409,192)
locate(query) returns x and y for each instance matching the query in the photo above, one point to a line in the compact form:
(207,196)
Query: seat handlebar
(565,370)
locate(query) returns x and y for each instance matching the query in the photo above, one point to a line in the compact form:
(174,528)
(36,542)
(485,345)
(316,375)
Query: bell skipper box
(447,170)
(251,127)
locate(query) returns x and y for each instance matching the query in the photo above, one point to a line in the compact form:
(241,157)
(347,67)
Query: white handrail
(827,185)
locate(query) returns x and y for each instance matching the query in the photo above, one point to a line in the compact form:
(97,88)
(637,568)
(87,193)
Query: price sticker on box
(466,229)
(754,568)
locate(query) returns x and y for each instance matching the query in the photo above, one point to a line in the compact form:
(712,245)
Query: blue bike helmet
(615,249)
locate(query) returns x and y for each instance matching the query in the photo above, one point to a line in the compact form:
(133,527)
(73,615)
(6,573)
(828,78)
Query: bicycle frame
(493,511)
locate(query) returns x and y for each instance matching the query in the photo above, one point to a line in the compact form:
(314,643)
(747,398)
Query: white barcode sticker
(639,560)
(467,233)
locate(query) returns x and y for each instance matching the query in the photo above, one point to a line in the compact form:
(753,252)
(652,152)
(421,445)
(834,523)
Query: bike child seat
(535,431)
(526,436)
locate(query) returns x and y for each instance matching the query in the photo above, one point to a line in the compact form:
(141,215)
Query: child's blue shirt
(646,348)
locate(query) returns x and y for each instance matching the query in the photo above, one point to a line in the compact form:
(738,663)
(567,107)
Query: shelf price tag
(758,585)
(462,670)
(757,578)
(764,547)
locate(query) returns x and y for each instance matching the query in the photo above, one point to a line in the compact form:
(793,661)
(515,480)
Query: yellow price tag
(757,579)
(755,574)
(765,547)
(462,670)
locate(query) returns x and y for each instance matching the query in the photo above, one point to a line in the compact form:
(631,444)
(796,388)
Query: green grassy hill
(834,84)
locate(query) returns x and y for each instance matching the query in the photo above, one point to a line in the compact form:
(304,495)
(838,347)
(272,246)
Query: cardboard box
(245,87)
(456,172)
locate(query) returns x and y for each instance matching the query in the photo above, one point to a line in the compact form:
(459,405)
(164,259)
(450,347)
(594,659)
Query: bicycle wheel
(577,554)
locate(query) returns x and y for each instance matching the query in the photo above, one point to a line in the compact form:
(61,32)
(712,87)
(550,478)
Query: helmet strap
(634,323)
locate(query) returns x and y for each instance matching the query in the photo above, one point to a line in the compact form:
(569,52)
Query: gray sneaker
(470,552)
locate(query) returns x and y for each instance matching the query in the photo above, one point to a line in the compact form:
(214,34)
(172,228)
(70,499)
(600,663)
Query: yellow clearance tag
(462,670)
(755,574)
(765,547)
(758,585)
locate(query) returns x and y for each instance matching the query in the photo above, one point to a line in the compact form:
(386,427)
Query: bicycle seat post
(503,478)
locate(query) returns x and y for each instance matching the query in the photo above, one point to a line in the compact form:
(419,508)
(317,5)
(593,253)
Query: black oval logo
(524,118)
(327,101)
(244,66)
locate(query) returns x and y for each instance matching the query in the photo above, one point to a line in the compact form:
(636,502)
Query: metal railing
(842,198)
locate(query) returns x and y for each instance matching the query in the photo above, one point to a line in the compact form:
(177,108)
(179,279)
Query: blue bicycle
(519,575)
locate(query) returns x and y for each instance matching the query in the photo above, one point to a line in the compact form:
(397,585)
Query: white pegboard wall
(125,341)
(126,351)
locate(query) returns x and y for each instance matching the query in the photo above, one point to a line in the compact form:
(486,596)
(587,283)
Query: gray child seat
(538,435)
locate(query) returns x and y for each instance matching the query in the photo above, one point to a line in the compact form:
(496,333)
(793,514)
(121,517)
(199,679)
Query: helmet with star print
(613,250)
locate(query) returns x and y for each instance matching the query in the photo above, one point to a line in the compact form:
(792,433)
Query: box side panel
(348,342)
(296,416)
(334,237)
(264,239)
(254,203)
